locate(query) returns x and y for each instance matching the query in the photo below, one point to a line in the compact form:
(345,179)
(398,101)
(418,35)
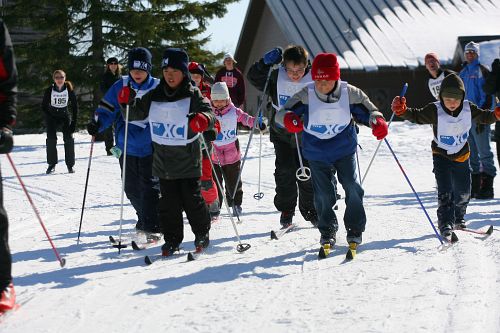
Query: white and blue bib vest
(326,120)
(59,99)
(138,94)
(286,88)
(169,122)
(229,124)
(452,132)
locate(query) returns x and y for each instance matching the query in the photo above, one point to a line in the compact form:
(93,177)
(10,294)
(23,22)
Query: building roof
(372,34)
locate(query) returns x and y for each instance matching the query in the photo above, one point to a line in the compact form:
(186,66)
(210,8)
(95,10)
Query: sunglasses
(59,77)
(113,63)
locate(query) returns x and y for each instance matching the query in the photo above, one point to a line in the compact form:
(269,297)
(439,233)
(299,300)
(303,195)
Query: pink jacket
(230,153)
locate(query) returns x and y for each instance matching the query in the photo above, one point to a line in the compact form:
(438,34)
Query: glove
(72,126)
(198,122)
(480,128)
(126,96)
(398,105)
(495,66)
(93,127)
(380,128)
(273,57)
(292,123)
(6,141)
(497,112)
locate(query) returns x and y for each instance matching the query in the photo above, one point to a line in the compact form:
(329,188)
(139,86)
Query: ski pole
(259,113)
(259,195)
(85,191)
(241,247)
(124,167)
(401,94)
(413,189)
(357,161)
(303,173)
(62,261)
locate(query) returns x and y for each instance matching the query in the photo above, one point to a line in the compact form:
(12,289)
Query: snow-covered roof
(369,34)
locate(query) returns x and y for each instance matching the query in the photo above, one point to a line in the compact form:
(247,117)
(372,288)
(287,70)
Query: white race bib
(229,124)
(59,99)
(452,132)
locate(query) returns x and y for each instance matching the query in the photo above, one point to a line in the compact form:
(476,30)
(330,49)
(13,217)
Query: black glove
(480,128)
(72,126)
(6,141)
(93,127)
(262,126)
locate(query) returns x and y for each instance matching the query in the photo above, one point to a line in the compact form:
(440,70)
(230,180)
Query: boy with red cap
(326,110)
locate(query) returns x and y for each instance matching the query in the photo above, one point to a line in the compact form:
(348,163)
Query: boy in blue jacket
(326,110)
(139,186)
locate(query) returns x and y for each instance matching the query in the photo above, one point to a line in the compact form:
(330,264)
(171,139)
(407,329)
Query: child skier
(327,108)
(139,185)
(451,118)
(227,155)
(177,114)
(284,82)
(198,75)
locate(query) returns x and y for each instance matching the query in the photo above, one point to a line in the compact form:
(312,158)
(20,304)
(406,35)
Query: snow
(399,282)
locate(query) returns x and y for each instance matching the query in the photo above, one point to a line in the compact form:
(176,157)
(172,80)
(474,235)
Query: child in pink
(227,156)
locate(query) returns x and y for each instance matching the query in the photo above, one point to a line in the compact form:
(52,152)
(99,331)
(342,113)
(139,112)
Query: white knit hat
(229,56)
(219,91)
(471,46)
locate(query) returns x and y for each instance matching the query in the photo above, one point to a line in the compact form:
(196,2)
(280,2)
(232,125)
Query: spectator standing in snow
(234,79)
(329,108)
(178,114)
(293,75)
(8,92)
(227,154)
(112,74)
(57,100)
(451,118)
(436,74)
(481,157)
(492,87)
(139,185)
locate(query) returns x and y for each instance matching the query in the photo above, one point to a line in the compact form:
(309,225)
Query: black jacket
(8,78)
(51,111)
(108,79)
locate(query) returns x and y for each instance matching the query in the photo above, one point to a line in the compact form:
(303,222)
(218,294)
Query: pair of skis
(199,250)
(137,246)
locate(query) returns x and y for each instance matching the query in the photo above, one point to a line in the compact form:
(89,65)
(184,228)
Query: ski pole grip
(403,91)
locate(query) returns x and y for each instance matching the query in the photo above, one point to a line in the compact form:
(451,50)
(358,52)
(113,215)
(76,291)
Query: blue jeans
(481,156)
(325,197)
(454,186)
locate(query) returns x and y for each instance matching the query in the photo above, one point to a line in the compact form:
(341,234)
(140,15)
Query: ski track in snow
(398,282)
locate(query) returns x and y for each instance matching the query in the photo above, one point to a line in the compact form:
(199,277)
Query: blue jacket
(109,113)
(474,79)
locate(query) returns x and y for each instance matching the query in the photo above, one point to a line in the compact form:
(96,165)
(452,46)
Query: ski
(198,251)
(448,242)
(278,234)
(148,260)
(138,246)
(324,251)
(351,251)
(116,243)
(487,232)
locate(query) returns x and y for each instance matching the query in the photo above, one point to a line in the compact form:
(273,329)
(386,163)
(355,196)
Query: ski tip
(321,254)
(62,262)
(490,230)
(147,260)
(273,235)
(190,257)
(349,255)
(454,238)
(135,246)
(112,239)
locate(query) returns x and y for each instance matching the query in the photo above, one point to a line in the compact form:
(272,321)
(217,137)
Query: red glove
(292,122)
(398,105)
(217,126)
(380,128)
(497,112)
(198,123)
(124,96)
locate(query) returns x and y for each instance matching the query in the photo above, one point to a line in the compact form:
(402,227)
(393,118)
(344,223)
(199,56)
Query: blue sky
(226,31)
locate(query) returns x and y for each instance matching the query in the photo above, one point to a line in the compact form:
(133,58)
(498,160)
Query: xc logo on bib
(169,130)
(327,129)
(226,135)
(455,140)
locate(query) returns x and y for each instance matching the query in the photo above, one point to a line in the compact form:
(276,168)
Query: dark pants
(286,165)
(454,186)
(325,195)
(139,188)
(178,195)
(5,257)
(53,124)
(229,174)
(497,139)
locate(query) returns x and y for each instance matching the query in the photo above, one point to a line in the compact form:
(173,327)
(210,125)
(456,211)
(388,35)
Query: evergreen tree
(77,36)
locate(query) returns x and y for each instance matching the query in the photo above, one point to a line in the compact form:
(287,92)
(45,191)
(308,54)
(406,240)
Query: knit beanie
(472,46)
(219,91)
(431,55)
(139,58)
(452,87)
(112,60)
(195,68)
(176,58)
(325,67)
